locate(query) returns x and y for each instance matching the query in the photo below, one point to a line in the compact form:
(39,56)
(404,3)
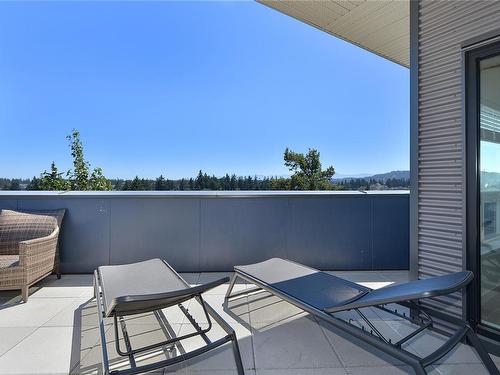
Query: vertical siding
(443,27)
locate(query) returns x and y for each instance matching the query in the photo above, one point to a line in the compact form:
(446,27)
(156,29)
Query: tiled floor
(56,333)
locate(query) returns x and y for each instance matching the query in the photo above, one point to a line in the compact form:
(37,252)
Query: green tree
(81,178)
(53,180)
(182,184)
(14,185)
(233,183)
(199,183)
(279,183)
(98,181)
(137,184)
(161,183)
(307,171)
(34,184)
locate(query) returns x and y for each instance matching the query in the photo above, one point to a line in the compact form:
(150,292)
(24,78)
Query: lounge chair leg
(237,355)
(58,270)
(481,351)
(231,285)
(24,293)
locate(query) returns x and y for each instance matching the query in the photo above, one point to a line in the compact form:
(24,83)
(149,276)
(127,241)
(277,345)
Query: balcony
(56,332)
(362,236)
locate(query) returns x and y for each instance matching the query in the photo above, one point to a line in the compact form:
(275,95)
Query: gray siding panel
(443,27)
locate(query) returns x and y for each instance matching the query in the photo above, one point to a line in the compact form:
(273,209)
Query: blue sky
(170,88)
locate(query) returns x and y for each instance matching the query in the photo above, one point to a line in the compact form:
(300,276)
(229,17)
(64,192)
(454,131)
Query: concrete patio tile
(63,292)
(380,370)
(221,289)
(47,350)
(34,313)
(221,358)
(304,371)
(13,297)
(190,277)
(495,359)
(459,369)
(174,314)
(369,312)
(265,308)
(296,342)
(81,280)
(219,372)
(395,276)
(11,336)
(206,277)
(235,312)
(140,335)
(66,287)
(353,352)
(425,343)
(81,311)
(393,318)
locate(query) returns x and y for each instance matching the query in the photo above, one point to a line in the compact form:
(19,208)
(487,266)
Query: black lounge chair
(323,295)
(150,286)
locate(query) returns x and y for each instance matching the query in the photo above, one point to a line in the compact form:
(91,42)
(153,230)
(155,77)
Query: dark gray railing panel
(242,231)
(213,231)
(8,204)
(324,232)
(391,232)
(84,242)
(149,228)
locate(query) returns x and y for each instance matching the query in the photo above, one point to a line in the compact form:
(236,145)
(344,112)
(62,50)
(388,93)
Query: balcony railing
(213,231)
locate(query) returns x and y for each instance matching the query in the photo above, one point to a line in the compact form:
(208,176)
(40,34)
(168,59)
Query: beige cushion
(8,261)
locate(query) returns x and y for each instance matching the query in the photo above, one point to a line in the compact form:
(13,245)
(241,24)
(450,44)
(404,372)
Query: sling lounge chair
(323,295)
(150,286)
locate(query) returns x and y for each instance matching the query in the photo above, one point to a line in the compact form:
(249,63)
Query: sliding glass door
(489,183)
(483,195)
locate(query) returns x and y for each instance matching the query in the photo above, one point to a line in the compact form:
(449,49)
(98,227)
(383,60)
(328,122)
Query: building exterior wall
(443,29)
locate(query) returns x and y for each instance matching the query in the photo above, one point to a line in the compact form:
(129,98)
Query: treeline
(14,183)
(202,181)
(374,184)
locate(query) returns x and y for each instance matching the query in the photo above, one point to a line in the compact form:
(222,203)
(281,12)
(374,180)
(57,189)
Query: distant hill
(394,174)
(378,177)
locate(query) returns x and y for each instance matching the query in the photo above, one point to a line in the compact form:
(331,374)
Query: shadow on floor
(143,329)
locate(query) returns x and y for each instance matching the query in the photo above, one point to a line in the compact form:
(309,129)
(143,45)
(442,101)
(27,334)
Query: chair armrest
(39,252)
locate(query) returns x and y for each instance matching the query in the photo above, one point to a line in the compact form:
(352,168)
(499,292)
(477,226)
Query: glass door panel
(489,183)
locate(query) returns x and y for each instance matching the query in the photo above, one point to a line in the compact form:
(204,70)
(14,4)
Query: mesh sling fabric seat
(150,286)
(323,295)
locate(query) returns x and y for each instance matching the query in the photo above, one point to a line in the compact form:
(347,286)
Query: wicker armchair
(28,248)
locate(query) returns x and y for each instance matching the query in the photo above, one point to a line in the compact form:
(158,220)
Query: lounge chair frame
(120,324)
(420,316)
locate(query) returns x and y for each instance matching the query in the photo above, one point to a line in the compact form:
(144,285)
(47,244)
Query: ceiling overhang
(379,26)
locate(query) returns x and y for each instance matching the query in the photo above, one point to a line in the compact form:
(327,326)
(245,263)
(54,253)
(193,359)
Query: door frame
(471,59)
